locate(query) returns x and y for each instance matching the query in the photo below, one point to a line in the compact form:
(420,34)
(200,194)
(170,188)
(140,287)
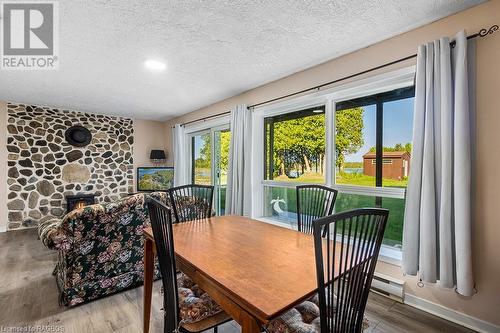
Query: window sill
(388,254)
(274,222)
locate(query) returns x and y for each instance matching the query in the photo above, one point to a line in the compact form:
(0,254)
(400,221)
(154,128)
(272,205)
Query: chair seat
(303,318)
(207,323)
(194,304)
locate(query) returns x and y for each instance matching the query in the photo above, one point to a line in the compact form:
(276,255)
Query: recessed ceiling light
(318,111)
(155,65)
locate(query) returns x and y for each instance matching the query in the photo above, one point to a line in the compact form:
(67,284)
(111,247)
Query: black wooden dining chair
(191,202)
(187,308)
(313,202)
(346,247)
(353,240)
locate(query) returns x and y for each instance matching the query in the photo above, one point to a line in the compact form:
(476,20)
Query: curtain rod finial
(484,32)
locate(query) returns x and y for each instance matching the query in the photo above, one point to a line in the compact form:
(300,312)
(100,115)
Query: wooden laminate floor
(28,297)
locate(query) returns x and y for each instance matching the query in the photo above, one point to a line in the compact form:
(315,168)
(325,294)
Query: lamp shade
(157,154)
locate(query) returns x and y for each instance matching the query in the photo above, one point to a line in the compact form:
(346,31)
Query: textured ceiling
(214,49)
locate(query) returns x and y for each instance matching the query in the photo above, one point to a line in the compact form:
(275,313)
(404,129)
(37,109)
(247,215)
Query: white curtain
(180,155)
(238,193)
(438,221)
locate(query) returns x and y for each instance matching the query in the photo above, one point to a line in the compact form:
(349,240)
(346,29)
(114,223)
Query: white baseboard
(3,228)
(451,315)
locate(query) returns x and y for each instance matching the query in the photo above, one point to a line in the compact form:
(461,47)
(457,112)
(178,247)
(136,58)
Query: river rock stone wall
(43,168)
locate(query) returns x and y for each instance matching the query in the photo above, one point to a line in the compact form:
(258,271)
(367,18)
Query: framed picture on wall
(155,178)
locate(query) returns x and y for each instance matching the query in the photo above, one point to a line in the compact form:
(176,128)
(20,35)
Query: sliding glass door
(222,138)
(209,162)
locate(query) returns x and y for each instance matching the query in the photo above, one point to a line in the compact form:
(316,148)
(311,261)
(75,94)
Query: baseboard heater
(388,286)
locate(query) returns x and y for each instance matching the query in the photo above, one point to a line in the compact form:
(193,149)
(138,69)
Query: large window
(294,153)
(373,147)
(222,140)
(369,149)
(373,139)
(295,146)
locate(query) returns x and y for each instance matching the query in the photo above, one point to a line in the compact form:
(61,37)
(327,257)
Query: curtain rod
(482,33)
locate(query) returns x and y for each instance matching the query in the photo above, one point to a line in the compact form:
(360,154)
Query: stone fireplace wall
(43,168)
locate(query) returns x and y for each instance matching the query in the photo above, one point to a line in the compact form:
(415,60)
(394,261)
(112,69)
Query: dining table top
(265,268)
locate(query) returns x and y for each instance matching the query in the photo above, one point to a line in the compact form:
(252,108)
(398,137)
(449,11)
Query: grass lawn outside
(311,177)
(343,178)
(364,180)
(203,176)
(345,201)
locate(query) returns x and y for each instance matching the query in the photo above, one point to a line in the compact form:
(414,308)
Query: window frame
(209,126)
(206,126)
(378,100)
(400,78)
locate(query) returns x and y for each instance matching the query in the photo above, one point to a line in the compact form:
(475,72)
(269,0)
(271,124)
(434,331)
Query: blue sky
(398,126)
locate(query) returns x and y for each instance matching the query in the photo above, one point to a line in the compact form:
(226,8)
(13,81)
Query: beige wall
(167,131)
(485,304)
(147,135)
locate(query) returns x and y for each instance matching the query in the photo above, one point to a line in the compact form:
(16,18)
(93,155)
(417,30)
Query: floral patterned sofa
(100,248)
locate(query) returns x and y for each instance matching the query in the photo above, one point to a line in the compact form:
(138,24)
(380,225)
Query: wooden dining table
(255,271)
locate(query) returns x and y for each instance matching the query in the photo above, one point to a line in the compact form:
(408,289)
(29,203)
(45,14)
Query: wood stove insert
(79,201)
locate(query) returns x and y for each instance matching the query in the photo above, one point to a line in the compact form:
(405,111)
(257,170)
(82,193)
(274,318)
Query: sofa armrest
(53,235)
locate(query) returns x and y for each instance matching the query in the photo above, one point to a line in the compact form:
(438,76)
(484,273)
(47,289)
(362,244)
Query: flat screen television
(154,178)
